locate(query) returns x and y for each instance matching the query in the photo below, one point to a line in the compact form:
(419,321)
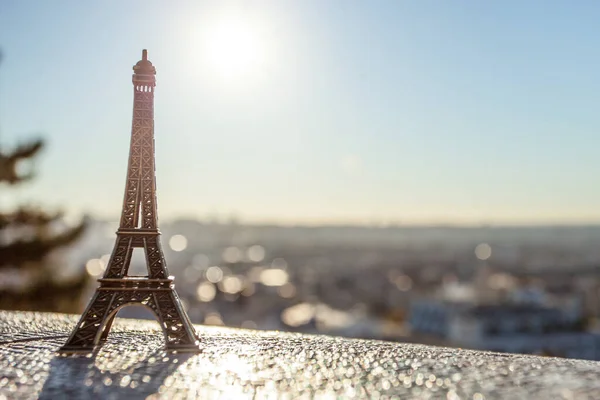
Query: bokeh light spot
(483,251)
(256,253)
(214,274)
(206,292)
(232,255)
(273,277)
(178,242)
(95,267)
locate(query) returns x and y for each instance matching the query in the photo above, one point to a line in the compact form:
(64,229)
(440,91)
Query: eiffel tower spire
(138,228)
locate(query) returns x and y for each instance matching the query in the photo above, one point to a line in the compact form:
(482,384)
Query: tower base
(158,295)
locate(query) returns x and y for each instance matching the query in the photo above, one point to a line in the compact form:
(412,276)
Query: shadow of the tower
(111,374)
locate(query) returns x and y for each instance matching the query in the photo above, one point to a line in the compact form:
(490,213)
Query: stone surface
(239,364)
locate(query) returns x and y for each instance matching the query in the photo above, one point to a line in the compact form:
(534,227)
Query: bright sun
(234,49)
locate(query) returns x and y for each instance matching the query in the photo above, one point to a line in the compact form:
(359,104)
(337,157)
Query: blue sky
(330,111)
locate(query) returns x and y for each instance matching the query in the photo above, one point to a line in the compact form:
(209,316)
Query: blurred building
(519,326)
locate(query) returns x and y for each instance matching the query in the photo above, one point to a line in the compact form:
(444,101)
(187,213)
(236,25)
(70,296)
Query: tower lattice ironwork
(138,228)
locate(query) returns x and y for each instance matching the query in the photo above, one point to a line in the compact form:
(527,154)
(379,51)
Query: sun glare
(233,48)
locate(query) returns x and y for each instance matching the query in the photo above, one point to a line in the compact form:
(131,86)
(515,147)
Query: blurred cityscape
(529,290)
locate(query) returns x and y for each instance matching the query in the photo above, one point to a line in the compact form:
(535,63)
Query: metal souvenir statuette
(138,228)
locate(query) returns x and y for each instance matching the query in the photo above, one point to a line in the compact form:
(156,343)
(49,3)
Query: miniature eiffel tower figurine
(138,228)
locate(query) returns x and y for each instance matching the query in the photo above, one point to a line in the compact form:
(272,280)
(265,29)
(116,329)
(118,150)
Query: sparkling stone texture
(246,364)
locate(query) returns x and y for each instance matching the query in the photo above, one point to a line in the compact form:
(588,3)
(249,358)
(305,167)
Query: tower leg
(179,331)
(86,334)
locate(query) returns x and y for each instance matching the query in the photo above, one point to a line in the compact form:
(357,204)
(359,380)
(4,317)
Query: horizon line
(357,224)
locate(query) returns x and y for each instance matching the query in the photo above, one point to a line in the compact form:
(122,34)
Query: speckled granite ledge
(246,364)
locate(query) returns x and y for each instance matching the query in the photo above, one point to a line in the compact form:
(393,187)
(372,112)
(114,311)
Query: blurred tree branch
(10,160)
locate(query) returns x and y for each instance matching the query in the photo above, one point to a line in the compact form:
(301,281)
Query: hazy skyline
(313,111)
